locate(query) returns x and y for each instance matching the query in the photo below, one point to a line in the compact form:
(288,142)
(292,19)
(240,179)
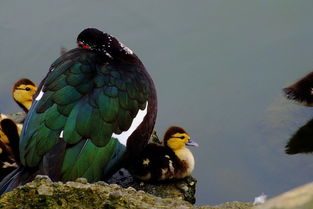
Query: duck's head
(95,40)
(301,91)
(177,138)
(23,92)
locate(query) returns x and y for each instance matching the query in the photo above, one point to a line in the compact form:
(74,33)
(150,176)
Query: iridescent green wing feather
(82,99)
(87,160)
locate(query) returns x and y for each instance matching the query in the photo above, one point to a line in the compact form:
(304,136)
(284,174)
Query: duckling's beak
(192,143)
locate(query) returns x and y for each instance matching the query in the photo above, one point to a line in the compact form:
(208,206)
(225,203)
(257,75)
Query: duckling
(23,92)
(3,137)
(173,160)
(9,152)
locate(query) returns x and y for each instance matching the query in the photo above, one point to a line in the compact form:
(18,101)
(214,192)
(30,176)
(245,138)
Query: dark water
(219,67)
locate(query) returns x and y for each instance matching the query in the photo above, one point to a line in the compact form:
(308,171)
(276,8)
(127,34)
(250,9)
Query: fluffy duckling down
(172,160)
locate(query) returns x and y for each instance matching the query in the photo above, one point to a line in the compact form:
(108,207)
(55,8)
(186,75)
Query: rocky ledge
(183,189)
(42,193)
(122,192)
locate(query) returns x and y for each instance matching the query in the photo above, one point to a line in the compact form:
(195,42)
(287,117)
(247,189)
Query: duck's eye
(27,89)
(182,137)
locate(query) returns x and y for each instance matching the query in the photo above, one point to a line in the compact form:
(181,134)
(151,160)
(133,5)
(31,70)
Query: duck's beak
(192,143)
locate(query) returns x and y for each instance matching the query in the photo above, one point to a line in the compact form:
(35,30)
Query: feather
(57,73)
(53,119)
(108,107)
(75,79)
(66,95)
(87,160)
(111,91)
(45,102)
(70,135)
(124,119)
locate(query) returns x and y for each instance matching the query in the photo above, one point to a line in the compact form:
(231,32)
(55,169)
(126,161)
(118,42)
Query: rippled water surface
(218,66)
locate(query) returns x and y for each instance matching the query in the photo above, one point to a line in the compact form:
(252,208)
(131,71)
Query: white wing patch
(39,95)
(122,137)
(61,134)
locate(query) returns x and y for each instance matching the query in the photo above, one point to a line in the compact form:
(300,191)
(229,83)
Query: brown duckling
(173,160)
(9,143)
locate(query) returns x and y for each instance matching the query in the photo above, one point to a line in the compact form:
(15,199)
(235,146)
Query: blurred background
(219,67)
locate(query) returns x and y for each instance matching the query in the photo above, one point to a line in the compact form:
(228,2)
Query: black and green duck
(96,107)
(172,160)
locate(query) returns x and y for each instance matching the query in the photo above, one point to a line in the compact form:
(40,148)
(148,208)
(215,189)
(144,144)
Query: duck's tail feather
(17,177)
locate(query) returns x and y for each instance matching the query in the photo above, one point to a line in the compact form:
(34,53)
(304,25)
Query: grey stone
(298,198)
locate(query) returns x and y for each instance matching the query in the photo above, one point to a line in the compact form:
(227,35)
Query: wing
(89,161)
(83,98)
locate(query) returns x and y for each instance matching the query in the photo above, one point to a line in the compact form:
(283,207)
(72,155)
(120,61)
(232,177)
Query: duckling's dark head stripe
(172,130)
(23,81)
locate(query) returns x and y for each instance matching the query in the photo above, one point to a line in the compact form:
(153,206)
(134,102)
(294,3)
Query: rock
(43,193)
(17,117)
(234,205)
(120,193)
(298,198)
(183,189)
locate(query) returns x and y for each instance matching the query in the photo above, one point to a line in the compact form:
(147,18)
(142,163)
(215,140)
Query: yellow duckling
(23,92)
(173,160)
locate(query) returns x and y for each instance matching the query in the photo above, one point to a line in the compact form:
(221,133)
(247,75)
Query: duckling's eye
(27,89)
(182,137)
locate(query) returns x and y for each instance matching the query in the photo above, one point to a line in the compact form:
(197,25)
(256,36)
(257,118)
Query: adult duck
(96,106)
(302,93)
